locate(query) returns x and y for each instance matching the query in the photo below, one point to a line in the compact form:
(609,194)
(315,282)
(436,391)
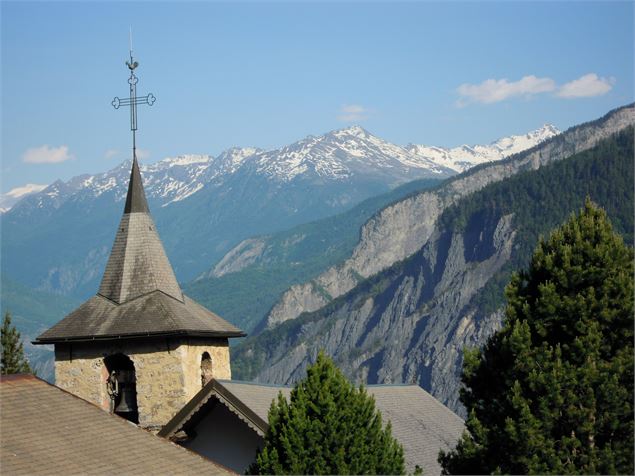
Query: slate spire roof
(136,199)
(139,294)
(138,263)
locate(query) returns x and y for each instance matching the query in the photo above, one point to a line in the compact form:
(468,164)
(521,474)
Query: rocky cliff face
(400,230)
(402,327)
(410,321)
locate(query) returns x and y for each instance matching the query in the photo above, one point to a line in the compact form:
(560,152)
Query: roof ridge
(246,382)
(167,312)
(141,296)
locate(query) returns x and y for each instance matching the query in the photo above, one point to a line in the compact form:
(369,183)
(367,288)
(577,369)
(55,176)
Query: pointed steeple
(139,298)
(136,199)
(138,264)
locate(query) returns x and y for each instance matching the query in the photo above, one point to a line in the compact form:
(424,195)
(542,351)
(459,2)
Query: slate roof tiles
(46,430)
(139,294)
(421,423)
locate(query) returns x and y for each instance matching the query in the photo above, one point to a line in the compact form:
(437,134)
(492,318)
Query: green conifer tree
(327,427)
(552,391)
(13,359)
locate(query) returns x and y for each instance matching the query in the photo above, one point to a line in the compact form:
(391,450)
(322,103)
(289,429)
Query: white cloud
(496,90)
(352,113)
(587,86)
(7,200)
(47,155)
(111,153)
(25,190)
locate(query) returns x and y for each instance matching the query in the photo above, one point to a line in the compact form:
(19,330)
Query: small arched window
(206,369)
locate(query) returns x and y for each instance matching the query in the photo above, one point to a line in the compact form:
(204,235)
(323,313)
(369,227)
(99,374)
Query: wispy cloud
(587,86)
(352,113)
(47,155)
(111,154)
(25,190)
(497,90)
(143,154)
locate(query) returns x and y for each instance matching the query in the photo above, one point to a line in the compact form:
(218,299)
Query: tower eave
(143,336)
(155,314)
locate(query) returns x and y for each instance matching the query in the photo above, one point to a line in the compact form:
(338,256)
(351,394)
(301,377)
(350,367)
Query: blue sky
(267,74)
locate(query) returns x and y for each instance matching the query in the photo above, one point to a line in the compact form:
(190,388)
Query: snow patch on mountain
(341,155)
(464,157)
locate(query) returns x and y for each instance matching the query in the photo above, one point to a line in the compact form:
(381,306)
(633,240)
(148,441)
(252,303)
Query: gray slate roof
(152,314)
(138,263)
(139,294)
(136,198)
(421,423)
(46,430)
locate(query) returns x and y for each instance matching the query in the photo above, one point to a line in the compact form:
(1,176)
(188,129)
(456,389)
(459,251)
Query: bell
(128,401)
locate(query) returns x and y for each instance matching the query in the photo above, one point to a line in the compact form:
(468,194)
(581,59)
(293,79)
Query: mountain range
(426,277)
(57,239)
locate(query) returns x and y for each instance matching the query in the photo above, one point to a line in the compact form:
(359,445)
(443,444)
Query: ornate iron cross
(133,100)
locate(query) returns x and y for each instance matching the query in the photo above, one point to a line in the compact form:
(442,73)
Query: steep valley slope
(401,229)
(438,262)
(244,285)
(58,239)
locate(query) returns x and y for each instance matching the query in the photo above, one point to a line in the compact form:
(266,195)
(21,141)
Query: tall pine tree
(13,359)
(552,391)
(327,427)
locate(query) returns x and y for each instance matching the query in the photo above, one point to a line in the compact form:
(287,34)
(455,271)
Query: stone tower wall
(168,372)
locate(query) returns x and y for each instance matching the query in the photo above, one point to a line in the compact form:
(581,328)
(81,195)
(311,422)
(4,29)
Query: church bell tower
(140,347)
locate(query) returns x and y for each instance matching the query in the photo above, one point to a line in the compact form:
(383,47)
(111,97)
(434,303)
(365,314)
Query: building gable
(422,424)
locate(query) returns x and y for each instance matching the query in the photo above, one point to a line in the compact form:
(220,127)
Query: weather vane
(133,100)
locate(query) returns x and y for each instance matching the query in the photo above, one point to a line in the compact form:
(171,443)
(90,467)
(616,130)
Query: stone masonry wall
(191,358)
(168,372)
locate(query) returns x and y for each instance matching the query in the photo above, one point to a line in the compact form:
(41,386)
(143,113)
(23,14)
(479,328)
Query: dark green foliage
(552,392)
(13,360)
(605,173)
(541,200)
(328,427)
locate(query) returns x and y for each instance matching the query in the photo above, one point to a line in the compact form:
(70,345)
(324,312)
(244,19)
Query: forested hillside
(542,200)
(404,227)
(243,292)
(410,322)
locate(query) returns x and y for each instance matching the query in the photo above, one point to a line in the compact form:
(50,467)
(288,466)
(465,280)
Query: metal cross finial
(133,100)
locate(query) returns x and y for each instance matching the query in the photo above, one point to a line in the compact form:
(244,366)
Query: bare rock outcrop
(401,229)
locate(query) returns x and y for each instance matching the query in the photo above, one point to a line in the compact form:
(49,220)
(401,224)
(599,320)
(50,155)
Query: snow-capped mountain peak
(355,131)
(343,153)
(347,154)
(464,157)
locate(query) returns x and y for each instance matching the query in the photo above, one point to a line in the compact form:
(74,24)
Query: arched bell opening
(121,385)
(206,369)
